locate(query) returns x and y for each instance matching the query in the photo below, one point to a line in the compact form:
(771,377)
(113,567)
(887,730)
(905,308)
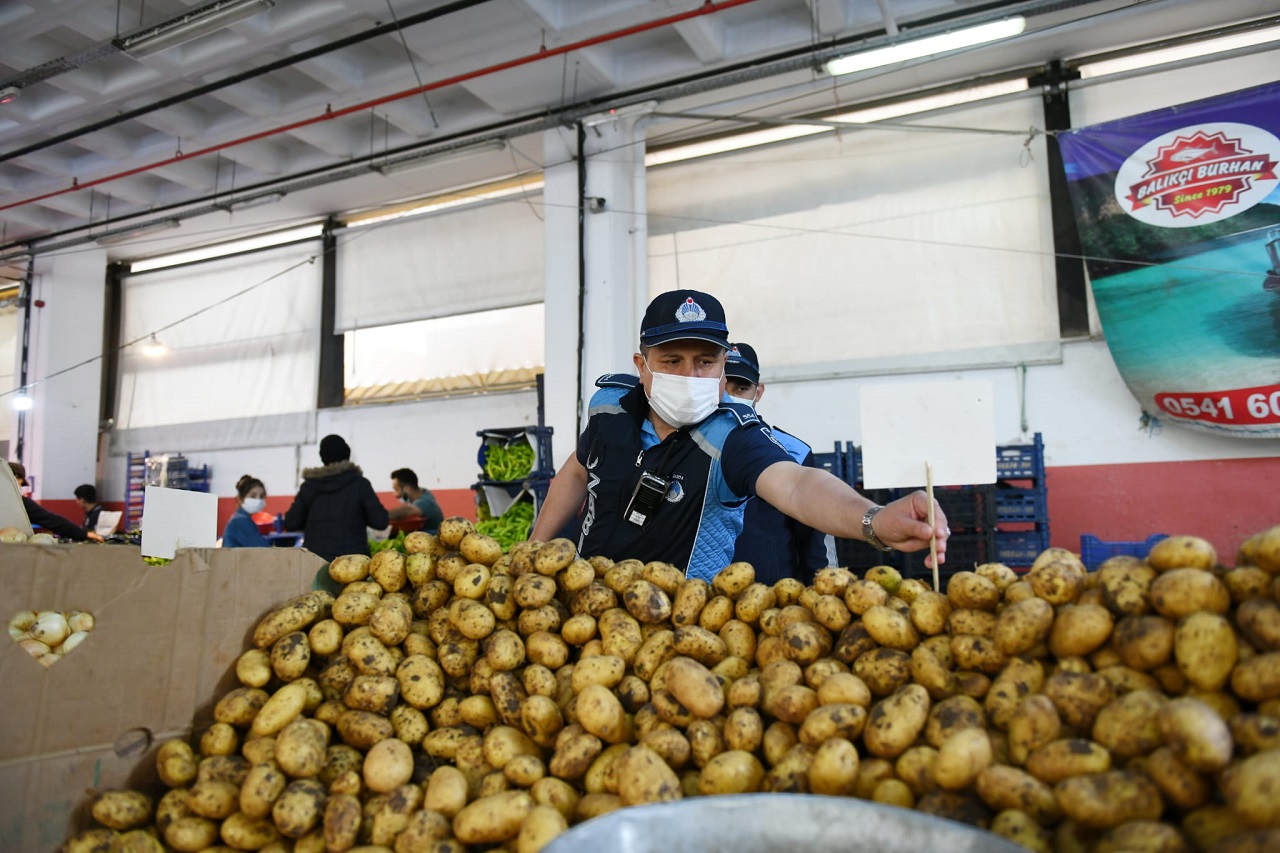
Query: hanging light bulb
(22,401)
(153,348)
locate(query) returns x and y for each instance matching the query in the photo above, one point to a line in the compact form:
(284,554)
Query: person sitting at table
(241,530)
(415,501)
(87,497)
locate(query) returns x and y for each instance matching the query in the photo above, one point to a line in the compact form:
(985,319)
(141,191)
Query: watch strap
(869,532)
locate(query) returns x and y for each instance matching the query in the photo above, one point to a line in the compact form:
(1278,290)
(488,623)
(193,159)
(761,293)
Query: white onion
(51,628)
(72,641)
(80,621)
(23,620)
(35,648)
(42,539)
(12,534)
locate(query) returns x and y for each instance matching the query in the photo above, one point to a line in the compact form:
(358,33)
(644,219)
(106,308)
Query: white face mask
(683,400)
(253,506)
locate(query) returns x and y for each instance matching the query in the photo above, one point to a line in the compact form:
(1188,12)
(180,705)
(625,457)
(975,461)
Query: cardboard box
(162,652)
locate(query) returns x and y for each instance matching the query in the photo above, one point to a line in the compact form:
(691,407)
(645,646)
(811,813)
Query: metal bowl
(769,823)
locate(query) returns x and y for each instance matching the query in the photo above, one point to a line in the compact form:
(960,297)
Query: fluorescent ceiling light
(920,48)
(390,167)
(461,198)
(933,102)
(232,205)
(864,116)
(115,238)
(196,23)
(1166,55)
(749,139)
(204,253)
(22,401)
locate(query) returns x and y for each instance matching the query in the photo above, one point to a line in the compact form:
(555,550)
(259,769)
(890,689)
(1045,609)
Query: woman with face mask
(241,530)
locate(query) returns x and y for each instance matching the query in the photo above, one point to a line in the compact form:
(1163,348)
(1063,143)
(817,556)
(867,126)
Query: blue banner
(1179,215)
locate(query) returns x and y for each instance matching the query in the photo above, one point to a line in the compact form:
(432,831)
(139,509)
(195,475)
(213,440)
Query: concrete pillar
(66,335)
(560,274)
(616,254)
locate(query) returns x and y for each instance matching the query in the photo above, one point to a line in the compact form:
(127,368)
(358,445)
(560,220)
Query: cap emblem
(690,312)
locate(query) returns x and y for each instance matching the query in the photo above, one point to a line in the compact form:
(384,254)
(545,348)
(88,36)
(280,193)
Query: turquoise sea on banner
(1205,316)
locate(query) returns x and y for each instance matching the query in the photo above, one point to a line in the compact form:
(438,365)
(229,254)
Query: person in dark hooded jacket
(335,504)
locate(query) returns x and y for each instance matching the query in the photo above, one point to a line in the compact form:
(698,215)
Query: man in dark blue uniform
(666,464)
(776,546)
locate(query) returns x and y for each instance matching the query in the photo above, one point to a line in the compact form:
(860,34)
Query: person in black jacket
(61,527)
(335,504)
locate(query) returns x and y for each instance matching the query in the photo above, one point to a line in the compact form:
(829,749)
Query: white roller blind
(251,356)
(483,343)
(454,262)
(876,251)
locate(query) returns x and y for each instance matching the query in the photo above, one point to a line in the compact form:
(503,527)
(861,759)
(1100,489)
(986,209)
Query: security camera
(595,203)
(9,94)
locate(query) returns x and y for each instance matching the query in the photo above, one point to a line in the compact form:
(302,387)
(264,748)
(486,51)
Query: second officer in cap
(776,545)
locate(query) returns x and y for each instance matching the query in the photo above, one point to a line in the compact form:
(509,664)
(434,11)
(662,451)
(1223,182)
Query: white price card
(947,425)
(177,518)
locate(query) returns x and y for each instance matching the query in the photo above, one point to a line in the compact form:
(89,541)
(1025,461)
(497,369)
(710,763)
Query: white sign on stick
(176,518)
(949,425)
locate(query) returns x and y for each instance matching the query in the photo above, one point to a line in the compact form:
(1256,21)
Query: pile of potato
(461,699)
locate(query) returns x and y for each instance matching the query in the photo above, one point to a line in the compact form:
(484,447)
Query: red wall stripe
(1223,500)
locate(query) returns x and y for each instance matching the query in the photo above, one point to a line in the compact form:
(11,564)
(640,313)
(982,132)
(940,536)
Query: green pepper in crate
(511,527)
(512,462)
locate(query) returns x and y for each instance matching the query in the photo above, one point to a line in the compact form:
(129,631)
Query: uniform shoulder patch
(744,413)
(618,380)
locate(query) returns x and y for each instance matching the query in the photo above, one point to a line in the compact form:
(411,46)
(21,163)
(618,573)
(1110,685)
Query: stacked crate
(1022,503)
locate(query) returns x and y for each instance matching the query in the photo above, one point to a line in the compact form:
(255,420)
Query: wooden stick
(933,537)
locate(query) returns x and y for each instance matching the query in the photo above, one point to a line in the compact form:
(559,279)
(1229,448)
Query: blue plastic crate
(853,464)
(1019,548)
(538,437)
(968,508)
(1021,461)
(830,462)
(1093,551)
(1022,505)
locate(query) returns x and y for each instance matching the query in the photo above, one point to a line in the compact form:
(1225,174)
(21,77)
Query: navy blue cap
(679,315)
(742,363)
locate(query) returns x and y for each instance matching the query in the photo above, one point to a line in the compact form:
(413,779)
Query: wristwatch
(869,532)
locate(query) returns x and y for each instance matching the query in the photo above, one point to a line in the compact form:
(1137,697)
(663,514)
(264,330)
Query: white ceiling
(758,57)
